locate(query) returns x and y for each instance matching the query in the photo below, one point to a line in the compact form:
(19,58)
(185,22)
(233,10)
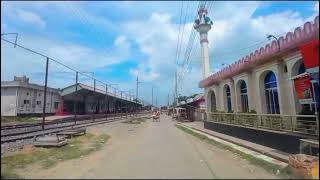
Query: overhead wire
(55,60)
(188,50)
(177,47)
(189,46)
(182,34)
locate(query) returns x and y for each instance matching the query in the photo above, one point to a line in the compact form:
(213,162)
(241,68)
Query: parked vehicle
(179,114)
(156,116)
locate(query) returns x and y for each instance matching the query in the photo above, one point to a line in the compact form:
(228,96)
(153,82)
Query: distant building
(19,97)
(194,107)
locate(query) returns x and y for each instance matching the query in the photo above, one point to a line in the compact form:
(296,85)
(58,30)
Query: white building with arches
(263,80)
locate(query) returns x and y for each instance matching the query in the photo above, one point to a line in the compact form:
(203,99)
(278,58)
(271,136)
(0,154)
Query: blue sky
(122,39)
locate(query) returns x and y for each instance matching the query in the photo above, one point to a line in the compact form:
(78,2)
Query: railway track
(65,119)
(25,132)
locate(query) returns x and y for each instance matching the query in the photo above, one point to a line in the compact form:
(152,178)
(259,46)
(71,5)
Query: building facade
(194,107)
(19,97)
(264,80)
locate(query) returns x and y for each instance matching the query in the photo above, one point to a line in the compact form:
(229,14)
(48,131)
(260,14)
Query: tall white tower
(203,25)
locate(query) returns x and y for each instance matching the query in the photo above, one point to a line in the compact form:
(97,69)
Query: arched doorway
(213,103)
(244,96)
(228,98)
(271,92)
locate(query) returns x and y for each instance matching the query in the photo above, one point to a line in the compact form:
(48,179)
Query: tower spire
(203,24)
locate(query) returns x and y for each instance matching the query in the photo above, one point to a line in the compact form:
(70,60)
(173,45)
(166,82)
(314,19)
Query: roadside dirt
(76,167)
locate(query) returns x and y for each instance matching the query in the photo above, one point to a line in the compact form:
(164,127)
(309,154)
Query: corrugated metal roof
(305,74)
(71,89)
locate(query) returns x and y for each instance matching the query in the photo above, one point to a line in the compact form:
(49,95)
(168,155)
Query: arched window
(213,102)
(228,96)
(271,89)
(302,69)
(244,97)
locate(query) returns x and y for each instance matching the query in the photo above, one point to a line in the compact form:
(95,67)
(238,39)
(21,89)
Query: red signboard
(303,89)
(61,110)
(310,53)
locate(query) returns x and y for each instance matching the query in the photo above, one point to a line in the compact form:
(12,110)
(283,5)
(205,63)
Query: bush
(252,111)
(306,121)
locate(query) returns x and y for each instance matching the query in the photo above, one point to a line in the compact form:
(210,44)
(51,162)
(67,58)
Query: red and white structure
(203,25)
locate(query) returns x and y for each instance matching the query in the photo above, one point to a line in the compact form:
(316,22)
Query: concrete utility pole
(176,90)
(137,93)
(168,100)
(152,96)
(45,95)
(203,25)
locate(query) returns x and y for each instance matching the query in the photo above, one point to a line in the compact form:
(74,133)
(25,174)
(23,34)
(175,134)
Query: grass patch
(284,173)
(48,157)
(16,120)
(135,120)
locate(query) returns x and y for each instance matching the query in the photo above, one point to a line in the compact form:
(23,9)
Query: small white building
(19,97)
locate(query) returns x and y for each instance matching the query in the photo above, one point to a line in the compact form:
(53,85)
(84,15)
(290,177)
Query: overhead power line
(187,53)
(176,54)
(55,60)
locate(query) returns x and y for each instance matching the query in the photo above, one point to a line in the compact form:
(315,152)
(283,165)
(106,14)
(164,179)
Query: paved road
(155,150)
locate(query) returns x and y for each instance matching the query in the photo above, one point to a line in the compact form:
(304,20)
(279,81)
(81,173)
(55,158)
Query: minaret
(203,25)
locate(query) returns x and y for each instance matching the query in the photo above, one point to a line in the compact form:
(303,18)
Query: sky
(120,40)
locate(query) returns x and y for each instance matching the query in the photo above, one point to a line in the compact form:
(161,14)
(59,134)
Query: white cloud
(316,7)
(30,17)
(156,42)
(277,23)
(122,42)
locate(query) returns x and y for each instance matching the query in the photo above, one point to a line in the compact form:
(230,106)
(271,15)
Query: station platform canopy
(83,89)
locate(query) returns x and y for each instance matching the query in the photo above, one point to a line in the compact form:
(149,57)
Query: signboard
(310,53)
(303,89)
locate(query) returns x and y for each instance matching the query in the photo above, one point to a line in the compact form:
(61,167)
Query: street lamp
(15,42)
(269,36)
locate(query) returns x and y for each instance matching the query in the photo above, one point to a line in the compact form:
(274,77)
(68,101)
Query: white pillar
(205,57)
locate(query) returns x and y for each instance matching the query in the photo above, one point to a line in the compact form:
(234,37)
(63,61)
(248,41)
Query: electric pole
(152,97)
(176,94)
(168,100)
(137,93)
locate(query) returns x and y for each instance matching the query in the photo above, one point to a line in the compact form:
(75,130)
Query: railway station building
(90,100)
(20,97)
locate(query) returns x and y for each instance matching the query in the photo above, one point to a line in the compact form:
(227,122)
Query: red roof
(264,54)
